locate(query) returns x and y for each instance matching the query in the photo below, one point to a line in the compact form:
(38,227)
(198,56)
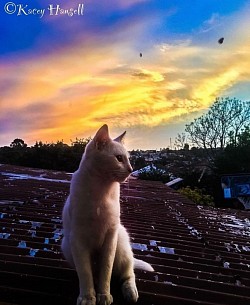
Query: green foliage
(137,162)
(197,196)
(154,174)
(244,138)
(236,156)
(56,156)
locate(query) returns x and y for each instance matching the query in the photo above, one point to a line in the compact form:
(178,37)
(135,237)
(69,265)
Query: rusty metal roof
(201,255)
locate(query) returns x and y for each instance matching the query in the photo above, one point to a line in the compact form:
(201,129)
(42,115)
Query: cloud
(212,23)
(154,76)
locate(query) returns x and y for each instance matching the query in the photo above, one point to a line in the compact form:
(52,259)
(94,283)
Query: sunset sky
(62,77)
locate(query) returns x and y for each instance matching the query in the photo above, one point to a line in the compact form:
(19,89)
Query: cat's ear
(120,138)
(102,137)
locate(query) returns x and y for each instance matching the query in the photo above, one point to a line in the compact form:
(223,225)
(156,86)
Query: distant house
(237,187)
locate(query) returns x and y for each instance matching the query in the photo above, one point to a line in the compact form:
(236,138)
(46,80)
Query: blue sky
(63,77)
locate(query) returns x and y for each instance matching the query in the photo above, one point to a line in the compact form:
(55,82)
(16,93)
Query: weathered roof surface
(200,255)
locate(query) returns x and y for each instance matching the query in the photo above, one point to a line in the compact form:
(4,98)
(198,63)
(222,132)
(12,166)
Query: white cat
(94,241)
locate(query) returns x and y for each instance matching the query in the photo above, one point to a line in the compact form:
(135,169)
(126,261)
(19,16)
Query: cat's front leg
(104,299)
(86,300)
(82,262)
(124,266)
(106,266)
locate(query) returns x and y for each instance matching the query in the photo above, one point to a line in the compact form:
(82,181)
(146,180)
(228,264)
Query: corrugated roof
(201,255)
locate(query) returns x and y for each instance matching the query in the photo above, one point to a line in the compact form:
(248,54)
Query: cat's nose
(130,169)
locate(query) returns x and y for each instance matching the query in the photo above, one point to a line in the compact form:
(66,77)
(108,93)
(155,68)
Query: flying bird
(220,41)
(140,54)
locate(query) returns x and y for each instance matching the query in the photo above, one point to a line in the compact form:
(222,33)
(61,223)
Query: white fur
(94,241)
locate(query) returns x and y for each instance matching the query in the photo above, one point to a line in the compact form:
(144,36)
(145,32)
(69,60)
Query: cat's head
(108,158)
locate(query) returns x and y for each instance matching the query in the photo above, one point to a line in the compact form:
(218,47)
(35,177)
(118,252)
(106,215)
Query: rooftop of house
(201,255)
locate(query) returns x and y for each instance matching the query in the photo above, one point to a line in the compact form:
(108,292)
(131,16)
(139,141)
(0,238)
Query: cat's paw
(86,300)
(104,299)
(129,291)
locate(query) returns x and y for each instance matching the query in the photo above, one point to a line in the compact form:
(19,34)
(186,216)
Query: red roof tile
(201,255)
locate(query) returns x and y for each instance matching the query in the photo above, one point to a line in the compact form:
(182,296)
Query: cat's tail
(139,264)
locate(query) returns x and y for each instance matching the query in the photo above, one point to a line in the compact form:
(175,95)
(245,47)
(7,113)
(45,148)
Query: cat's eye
(119,158)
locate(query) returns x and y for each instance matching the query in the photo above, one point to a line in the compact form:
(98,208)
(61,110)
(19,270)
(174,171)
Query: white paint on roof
(12,176)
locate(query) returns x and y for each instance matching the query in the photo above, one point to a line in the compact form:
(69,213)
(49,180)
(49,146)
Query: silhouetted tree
(57,156)
(138,163)
(180,140)
(223,123)
(236,156)
(18,143)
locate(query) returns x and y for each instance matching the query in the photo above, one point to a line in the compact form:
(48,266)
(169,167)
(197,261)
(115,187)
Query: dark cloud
(141,75)
(31,117)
